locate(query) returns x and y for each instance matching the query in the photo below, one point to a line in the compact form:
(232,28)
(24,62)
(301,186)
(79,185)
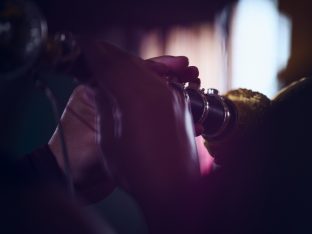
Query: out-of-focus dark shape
(60,52)
(25,44)
(265,185)
(97,15)
(23,32)
(300,64)
(289,193)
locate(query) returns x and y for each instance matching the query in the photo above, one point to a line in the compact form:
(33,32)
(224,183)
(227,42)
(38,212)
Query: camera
(216,113)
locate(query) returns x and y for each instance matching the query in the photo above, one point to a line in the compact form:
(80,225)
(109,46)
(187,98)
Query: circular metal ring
(205,111)
(226,117)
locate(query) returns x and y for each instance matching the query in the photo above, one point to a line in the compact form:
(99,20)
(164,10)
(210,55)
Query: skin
(92,178)
(139,136)
(149,145)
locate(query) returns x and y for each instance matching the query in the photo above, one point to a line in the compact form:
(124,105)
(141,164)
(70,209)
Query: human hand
(146,132)
(178,68)
(81,131)
(79,121)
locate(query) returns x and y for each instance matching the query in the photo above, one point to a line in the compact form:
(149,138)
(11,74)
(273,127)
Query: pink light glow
(205,159)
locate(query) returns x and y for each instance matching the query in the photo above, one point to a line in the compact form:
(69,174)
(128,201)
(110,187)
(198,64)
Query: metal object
(216,113)
(212,91)
(23,33)
(25,44)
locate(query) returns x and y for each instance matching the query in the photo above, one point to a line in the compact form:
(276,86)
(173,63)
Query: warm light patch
(202,44)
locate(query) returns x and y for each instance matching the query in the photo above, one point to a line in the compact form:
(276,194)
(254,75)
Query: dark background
(27,119)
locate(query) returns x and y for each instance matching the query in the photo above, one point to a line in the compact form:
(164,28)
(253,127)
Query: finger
(176,66)
(174,63)
(159,68)
(188,74)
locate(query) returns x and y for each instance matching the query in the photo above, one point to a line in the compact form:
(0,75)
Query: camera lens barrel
(215,113)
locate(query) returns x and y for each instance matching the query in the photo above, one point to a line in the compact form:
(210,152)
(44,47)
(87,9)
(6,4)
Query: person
(161,170)
(289,203)
(80,119)
(93,180)
(149,145)
(261,190)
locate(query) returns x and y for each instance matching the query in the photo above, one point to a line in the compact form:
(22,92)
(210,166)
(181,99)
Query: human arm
(80,121)
(149,143)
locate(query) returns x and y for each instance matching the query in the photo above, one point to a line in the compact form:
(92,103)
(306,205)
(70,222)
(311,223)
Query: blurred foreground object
(299,64)
(23,32)
(25,45)
(265,185)
(290,161)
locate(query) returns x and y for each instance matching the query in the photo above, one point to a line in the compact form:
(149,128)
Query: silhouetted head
(267,189)
(290,192)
